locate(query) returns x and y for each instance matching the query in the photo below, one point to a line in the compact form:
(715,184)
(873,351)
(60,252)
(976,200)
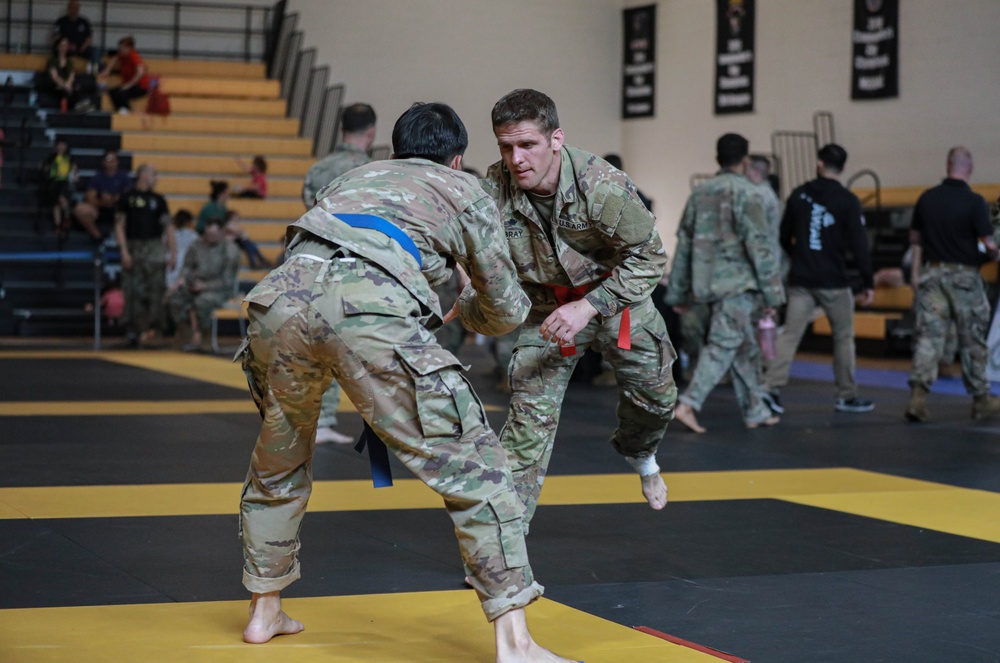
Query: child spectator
(258,177)
(59,174)
(113,303)
(235,231)
(184,236)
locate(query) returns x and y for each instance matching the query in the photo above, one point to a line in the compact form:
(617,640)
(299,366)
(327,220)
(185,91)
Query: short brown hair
(526,105)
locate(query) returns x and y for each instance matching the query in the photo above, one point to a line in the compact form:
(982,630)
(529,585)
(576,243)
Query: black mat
(97,380)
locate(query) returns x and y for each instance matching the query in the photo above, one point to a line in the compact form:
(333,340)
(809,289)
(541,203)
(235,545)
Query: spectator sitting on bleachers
(258,178)
(215,208)
(184,236)
(208,279)
(134,79)
(59,175)
(235,231)
(97,209)
(59,79)
(77,30)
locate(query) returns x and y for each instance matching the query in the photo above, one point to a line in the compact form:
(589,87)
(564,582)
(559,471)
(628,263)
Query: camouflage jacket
(725,245)
(215,264)
(601,227)
(448,216)
(343,158)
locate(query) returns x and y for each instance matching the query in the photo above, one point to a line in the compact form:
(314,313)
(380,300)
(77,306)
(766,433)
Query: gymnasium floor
(832,537)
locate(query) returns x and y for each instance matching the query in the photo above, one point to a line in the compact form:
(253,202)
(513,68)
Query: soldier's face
(531,157)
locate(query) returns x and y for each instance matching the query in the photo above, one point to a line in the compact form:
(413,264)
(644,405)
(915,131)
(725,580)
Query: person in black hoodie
(822,222)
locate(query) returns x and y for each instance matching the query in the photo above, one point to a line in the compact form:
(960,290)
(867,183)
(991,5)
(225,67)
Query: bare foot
(267,619)
(685,415)
(655,491)
(770,421)
(327,434)
(515,644)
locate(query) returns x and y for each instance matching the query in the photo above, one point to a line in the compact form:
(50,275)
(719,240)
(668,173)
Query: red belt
(565,295)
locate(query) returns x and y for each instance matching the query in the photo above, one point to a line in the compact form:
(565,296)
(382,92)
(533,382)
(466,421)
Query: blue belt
(371,222)
(378,455)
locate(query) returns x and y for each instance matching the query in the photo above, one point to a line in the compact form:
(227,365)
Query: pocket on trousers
(437,409)
(245,356)
(508,512)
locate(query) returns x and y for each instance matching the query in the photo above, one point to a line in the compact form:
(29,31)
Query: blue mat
(878,377)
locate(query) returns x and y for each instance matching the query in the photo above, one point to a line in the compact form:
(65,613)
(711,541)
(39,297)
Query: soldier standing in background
(358,134)
(951,236)
(726,258)
(145,236)
(351,305)
(588,255)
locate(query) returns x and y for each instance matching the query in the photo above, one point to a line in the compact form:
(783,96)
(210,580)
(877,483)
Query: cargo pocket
(245,356)
(435,389)
(664,349)
(508,512)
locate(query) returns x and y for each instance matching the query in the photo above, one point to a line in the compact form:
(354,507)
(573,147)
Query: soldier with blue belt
(589,256)
(353,303)
(727,258)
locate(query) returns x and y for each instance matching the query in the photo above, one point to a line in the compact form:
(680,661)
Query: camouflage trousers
(946,293)
(694,329)
(145,285)
(539,375)
(181,301)
(312,321)
(731,344)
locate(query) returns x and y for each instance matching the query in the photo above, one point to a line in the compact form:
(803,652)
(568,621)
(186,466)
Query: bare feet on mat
(685,414)
(327,434)
(655,491)
(770,421)
(515,644)
(267,619)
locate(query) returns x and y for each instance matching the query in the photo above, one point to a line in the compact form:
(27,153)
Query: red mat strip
(691,645)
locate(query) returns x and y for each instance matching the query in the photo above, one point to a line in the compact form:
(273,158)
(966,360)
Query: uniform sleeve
(309,188)
(859,243)
(760,249)
(494,303)
(633,236)
(679,283)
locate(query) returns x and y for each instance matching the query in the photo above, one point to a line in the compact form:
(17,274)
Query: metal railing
(164,29)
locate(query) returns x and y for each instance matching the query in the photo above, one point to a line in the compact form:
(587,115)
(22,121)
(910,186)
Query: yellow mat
(441,627)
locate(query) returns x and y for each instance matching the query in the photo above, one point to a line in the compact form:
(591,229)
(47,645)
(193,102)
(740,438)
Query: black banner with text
(639,64)
(734,56)
(875,63)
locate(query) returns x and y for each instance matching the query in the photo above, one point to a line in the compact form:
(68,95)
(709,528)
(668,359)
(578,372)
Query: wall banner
(734,56)
(875,63)
(639,64)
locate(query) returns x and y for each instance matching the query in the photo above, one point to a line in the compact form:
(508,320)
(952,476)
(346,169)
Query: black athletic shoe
(857,405)
(772,401)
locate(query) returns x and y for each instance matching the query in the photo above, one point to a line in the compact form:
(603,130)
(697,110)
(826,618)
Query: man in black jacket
(822,222)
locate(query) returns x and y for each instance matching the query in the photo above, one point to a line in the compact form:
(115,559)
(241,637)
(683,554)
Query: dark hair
(730,150)
(429,131)
(215,221)
(182,218)
(127,41)
(357,117)
(219,187)
(260,163)
(526,105)
(614,160)
(833,157)
(231,214)
(761,161)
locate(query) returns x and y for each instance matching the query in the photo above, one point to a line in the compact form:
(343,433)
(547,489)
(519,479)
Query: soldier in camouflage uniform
(358,134)
(206,281)
(588,255)
(353,303)
(726,258)
(145,237)
(950,222)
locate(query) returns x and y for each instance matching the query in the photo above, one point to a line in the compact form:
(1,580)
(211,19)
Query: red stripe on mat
(691,645)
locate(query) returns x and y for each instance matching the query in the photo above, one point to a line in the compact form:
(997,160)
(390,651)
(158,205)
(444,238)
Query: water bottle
(767,334)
